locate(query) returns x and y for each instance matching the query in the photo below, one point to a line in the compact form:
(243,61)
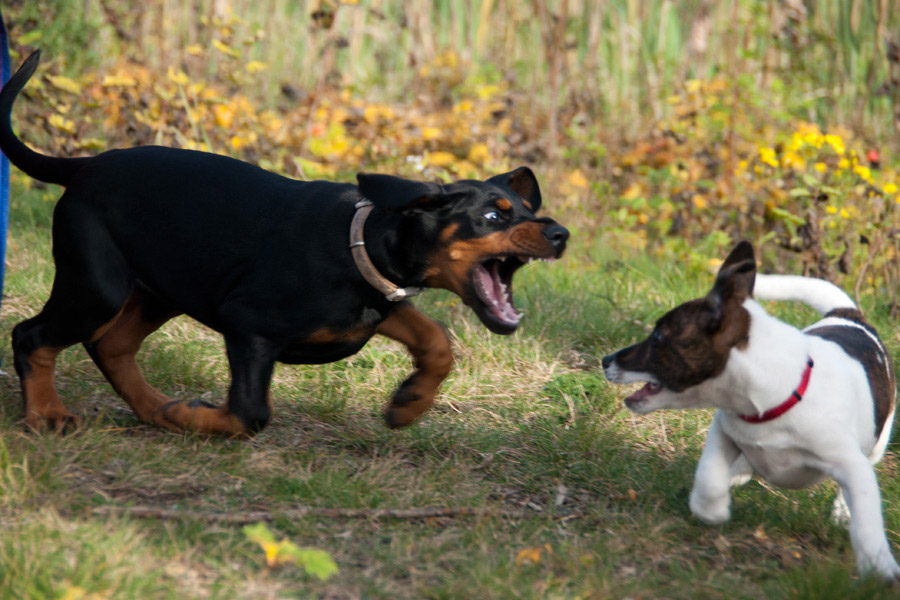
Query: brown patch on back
(504,204)
(851,314)
(871,355)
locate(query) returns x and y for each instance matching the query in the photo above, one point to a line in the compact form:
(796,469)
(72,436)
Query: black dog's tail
(44,168)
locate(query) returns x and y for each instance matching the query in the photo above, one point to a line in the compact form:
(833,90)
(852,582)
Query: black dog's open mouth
(650,389)
(492,280)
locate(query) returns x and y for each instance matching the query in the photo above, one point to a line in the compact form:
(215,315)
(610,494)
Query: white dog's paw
(879,561)
(889,569)
(740,479)
(840,512)
(711,512)
(740,472)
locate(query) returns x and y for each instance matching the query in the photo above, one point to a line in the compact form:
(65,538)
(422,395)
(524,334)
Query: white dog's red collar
(795,397)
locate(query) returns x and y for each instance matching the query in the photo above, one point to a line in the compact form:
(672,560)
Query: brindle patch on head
(690,344)
(504,204)
(872,355)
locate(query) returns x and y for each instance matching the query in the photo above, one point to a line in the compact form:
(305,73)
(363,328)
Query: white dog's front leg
(856,476)
(710,498)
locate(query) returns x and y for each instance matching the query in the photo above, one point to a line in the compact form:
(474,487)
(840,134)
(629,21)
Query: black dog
(144,234)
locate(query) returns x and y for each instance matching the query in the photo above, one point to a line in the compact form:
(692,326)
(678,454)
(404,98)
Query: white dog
(793,406)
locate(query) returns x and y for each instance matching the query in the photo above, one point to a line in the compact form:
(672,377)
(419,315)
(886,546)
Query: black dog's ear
(736,275)
(523,182)
(395,194)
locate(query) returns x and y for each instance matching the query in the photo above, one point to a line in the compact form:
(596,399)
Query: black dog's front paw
(407,404)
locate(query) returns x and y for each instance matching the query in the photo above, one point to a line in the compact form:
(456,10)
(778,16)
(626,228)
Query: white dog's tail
(821,295)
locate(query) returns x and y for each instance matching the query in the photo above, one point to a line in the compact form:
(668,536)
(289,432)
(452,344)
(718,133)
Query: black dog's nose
(607,360)
(556,234)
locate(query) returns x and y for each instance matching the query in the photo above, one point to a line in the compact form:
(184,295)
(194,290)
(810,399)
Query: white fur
(831,433)
(821,295)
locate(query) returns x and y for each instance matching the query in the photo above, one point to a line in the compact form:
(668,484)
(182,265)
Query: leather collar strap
(392,292)
(795,397)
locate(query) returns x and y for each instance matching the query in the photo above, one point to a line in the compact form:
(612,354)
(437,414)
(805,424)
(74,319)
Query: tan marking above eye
(527,204)
(448,232)
(504,204)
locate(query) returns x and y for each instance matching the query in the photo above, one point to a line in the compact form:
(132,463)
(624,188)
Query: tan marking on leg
(43,408)
(106,327)
(202,419)
(429,346)
(115,353)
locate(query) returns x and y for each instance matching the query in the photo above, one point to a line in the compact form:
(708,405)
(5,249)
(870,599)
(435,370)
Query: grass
(521,422)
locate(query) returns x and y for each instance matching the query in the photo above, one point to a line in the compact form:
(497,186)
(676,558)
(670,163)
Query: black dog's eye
(492,215)
(656,336)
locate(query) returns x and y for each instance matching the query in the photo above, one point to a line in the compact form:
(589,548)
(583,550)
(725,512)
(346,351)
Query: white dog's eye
(492,215)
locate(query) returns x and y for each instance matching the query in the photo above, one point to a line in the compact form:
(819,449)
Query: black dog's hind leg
(114,353)
(90,288)
(429,346)
(252,361)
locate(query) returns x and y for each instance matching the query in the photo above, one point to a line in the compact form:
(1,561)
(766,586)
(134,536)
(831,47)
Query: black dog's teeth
(493,282)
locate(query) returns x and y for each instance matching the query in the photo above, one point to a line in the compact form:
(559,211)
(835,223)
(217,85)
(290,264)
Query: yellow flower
(439,159)
(179,78)
(698,201)
(225,49)
(792,159)
(814,139)
(62,123)
(479,154)
(224,115)
(844,213)
(767,155)
(831,210)
(863,172)
(843,164)
(890,188)
(254,66)
(820,167)
(835,142)
(577,179)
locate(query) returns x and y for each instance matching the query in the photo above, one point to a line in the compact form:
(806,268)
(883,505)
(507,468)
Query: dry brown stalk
(236,518)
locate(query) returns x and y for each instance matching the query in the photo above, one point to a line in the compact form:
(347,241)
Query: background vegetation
(661,132)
